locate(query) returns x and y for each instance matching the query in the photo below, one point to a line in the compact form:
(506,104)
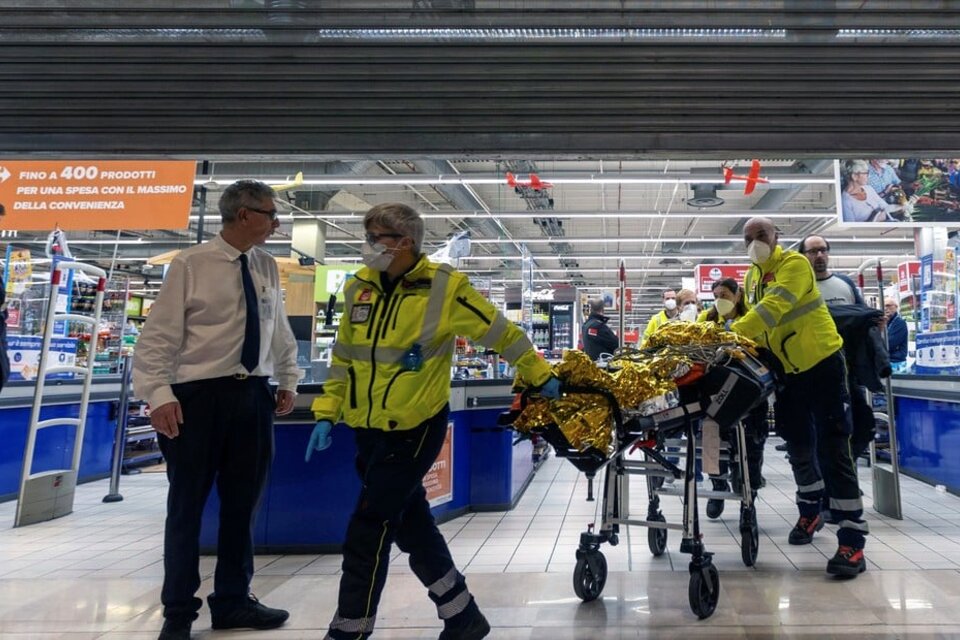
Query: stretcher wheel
(657,538)
(704,590)
(749,537)
(590,575)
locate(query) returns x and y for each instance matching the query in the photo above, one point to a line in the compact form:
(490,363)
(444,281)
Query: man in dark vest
(597,336)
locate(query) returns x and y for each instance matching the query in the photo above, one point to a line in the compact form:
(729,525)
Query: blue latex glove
(551,388)
(320,439)
(728,324)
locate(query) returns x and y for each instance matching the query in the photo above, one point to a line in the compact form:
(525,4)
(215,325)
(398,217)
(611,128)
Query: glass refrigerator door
(561,326)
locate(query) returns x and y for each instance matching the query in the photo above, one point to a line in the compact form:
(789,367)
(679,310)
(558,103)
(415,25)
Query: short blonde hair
(397,217)
(683,294)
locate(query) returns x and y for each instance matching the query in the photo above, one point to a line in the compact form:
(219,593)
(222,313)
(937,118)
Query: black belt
(243,377)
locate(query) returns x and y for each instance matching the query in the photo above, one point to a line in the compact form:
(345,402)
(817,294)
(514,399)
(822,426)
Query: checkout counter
(54,448)
(927,415)
(306,506)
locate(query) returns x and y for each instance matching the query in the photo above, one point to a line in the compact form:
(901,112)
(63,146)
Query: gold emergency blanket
(586,419)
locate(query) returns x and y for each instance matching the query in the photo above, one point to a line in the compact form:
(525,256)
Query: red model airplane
(534,182)
(752,179)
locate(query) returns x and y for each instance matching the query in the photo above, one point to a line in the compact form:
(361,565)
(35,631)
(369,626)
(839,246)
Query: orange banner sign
(89,195)
(439,479)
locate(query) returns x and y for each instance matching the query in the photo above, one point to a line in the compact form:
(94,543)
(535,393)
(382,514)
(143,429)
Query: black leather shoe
(477,628)
(250,615)
(175,630)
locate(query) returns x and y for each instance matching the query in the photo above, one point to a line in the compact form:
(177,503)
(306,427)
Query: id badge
(268,303)
(360,313)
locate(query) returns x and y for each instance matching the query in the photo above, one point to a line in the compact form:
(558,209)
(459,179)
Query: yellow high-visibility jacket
(370,387)
(786,313)
(656,322)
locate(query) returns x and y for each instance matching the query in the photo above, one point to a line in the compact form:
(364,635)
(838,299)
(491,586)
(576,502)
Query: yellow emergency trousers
(370,386)
(786,313)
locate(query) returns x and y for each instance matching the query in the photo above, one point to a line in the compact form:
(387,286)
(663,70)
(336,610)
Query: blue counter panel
(307,506)
(54,447)
(928,436)
(499,470)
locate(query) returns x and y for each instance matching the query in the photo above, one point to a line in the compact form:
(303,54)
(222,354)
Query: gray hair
(596,305)
(243,193)
(856,166)
(399,218)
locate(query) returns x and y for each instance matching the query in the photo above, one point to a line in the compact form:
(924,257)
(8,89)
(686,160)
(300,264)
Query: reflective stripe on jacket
(368,384)
(786,313)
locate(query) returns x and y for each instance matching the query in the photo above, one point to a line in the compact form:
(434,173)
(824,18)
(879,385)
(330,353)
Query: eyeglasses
(374,238)
(813,252)
(272,213)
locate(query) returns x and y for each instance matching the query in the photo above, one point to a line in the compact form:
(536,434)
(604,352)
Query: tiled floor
(97,572)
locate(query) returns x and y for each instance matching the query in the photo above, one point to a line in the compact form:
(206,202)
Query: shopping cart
(726,389)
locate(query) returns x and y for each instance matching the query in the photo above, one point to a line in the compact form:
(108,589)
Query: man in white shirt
(216,334)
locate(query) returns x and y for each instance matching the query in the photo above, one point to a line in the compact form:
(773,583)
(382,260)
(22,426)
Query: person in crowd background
(665,315)
(897,334)
(728,306)
(216,334)
(598,338)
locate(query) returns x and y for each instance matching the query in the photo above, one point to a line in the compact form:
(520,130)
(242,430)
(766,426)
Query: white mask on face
(670,304)
(376,256)
(689,313)
(725,307)
(759,252)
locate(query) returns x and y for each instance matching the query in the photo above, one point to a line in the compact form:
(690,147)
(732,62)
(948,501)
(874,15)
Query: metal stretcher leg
(704,588)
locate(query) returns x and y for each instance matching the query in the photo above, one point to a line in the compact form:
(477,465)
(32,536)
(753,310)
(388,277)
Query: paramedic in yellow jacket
(665,315)
(787,316)
(390,381)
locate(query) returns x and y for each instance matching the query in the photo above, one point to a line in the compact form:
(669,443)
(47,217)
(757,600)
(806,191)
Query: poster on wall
(905,192)
(18,270)
(439,479)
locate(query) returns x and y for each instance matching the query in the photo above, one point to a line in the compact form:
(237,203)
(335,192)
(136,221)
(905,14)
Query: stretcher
(731,383)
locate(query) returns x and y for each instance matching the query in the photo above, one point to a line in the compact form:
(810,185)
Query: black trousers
(814,416)
(393,507)
(864,422)
(227,436)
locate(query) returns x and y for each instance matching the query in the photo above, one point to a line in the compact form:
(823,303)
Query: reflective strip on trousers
(434,310)
(862,527)
(783,292)
(802,310)
(352,625)
(846,504)
(496,331)
(766,316)
(810,488)
(517,349)
(455,606)
(444,584)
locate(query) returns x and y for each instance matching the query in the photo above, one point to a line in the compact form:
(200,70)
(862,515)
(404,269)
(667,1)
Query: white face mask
(759,252)
(376,256)
(689,313)
(670,304)
(725,307)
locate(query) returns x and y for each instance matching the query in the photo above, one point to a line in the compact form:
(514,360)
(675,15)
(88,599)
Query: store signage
(24,354)
(13,312)
(543,295)
(329,280)
(938,353)
(903,192)
(906,271)
(96,194)
(134,306)
(439,479)
(707,274)
(926,272)
(19,270)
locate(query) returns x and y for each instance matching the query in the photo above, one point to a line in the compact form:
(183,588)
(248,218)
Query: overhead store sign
(707,274)
(86,195)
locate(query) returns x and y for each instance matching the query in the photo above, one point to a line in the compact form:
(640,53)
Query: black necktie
(250,353)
